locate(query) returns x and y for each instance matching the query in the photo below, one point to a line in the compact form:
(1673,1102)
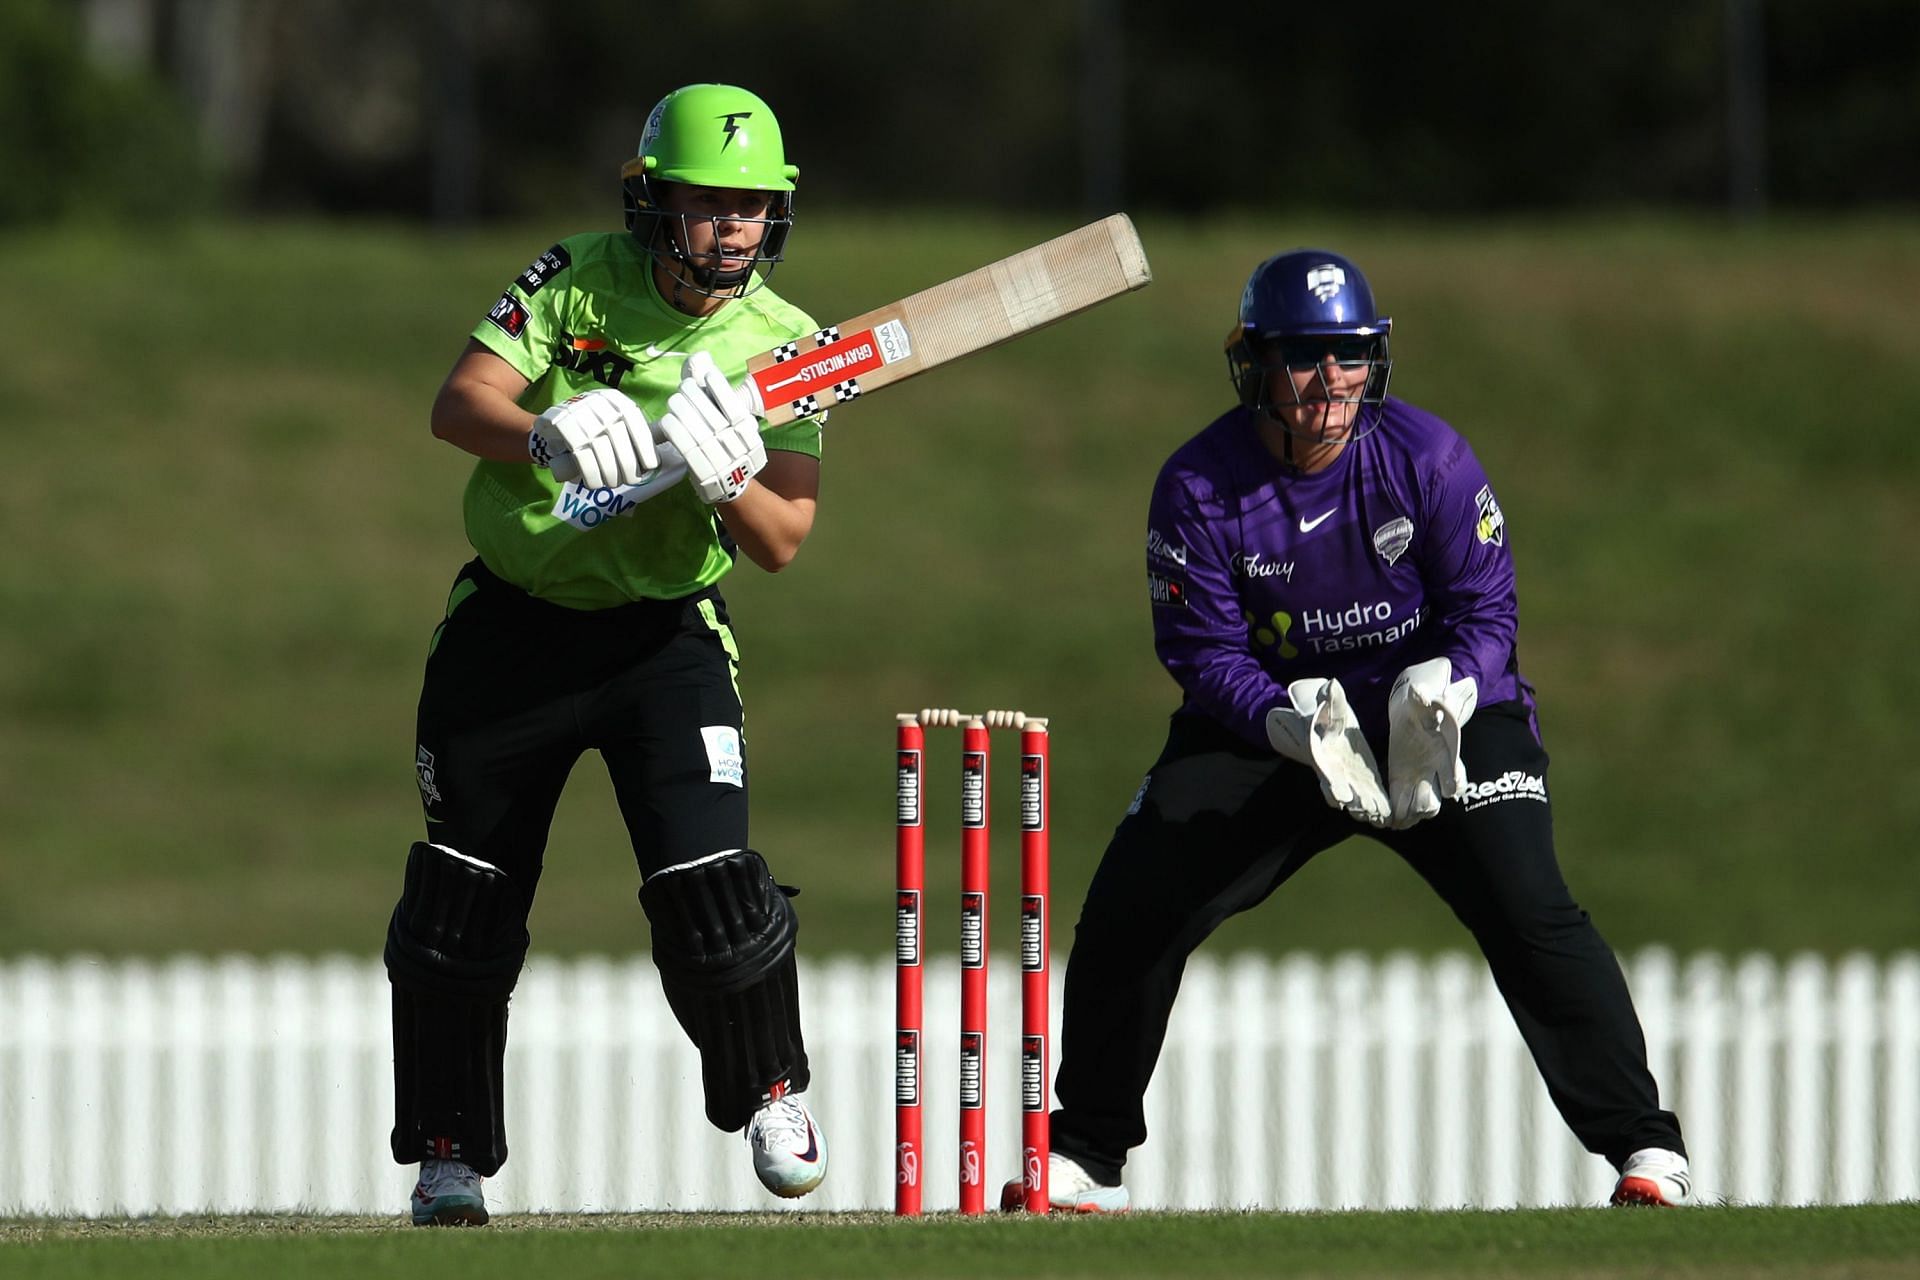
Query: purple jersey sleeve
(1467,570)
(1199,630)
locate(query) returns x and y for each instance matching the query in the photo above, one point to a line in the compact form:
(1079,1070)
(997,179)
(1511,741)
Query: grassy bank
(233,534)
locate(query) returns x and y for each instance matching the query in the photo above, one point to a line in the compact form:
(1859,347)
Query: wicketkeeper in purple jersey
(1331,586)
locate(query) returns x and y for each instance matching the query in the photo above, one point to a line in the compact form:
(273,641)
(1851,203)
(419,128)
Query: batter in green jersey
(621,472)
(590,314)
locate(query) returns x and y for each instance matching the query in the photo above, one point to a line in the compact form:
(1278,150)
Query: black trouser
(517,689)
(1220,824)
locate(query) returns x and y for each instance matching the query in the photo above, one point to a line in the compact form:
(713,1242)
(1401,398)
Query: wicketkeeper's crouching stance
(1330,579)
(621,473)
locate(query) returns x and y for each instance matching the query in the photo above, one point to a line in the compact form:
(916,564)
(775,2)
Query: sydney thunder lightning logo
(730,124)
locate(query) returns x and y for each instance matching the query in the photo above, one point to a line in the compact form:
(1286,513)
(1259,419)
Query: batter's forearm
(767,526)
(481,420)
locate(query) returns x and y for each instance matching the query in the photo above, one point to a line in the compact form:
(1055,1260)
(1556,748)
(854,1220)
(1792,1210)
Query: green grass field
(233,535)
(1859,1243)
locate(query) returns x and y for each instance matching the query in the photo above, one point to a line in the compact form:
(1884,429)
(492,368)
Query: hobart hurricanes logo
(1326,280)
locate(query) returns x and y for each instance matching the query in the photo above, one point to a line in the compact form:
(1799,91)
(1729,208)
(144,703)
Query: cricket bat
(981,309)
(969,313)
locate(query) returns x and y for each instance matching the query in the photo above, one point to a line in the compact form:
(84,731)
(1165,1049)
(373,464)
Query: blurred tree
(1846,102)
(82,140)
(484,108)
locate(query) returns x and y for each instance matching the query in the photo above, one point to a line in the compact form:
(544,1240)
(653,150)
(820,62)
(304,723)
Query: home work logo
(586,508)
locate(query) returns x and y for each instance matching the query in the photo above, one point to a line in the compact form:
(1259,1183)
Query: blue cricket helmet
(1309,291)
(1297,308)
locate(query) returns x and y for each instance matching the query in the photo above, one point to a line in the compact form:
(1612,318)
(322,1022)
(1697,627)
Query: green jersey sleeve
(523,324)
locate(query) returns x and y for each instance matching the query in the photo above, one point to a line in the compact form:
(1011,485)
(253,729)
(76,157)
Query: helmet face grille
(1253,362)
(653,226)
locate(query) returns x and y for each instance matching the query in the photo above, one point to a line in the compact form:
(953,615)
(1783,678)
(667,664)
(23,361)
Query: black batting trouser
(517,689)
(1221,824)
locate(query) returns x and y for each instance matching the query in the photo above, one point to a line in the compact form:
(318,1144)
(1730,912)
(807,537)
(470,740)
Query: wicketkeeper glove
(1320,731)
(1424,714)
(599,437)
(712,424)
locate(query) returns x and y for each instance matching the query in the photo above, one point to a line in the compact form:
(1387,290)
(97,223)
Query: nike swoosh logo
(812,1153)
(655,353)
(1308,526)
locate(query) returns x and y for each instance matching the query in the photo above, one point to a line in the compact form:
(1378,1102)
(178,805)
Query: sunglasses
(1308,352)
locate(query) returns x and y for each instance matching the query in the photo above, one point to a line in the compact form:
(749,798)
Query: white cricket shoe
(789,1151)
(1070,1188)
(448,1195)
(1654,1176)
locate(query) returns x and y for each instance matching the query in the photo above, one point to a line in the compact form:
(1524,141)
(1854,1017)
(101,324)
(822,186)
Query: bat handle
(753,398)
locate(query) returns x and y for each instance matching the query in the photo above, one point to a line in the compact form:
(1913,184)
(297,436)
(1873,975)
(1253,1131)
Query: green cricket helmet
(709,135)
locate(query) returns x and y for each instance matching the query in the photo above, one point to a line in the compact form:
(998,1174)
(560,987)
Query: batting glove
(1320,731)
(712,424)
(1424,714)
(599,437)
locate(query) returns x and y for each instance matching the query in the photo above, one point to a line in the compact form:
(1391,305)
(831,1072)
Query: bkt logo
(1514,784)
(593,358)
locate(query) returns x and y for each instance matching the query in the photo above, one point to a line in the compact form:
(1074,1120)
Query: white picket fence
(247,1084)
